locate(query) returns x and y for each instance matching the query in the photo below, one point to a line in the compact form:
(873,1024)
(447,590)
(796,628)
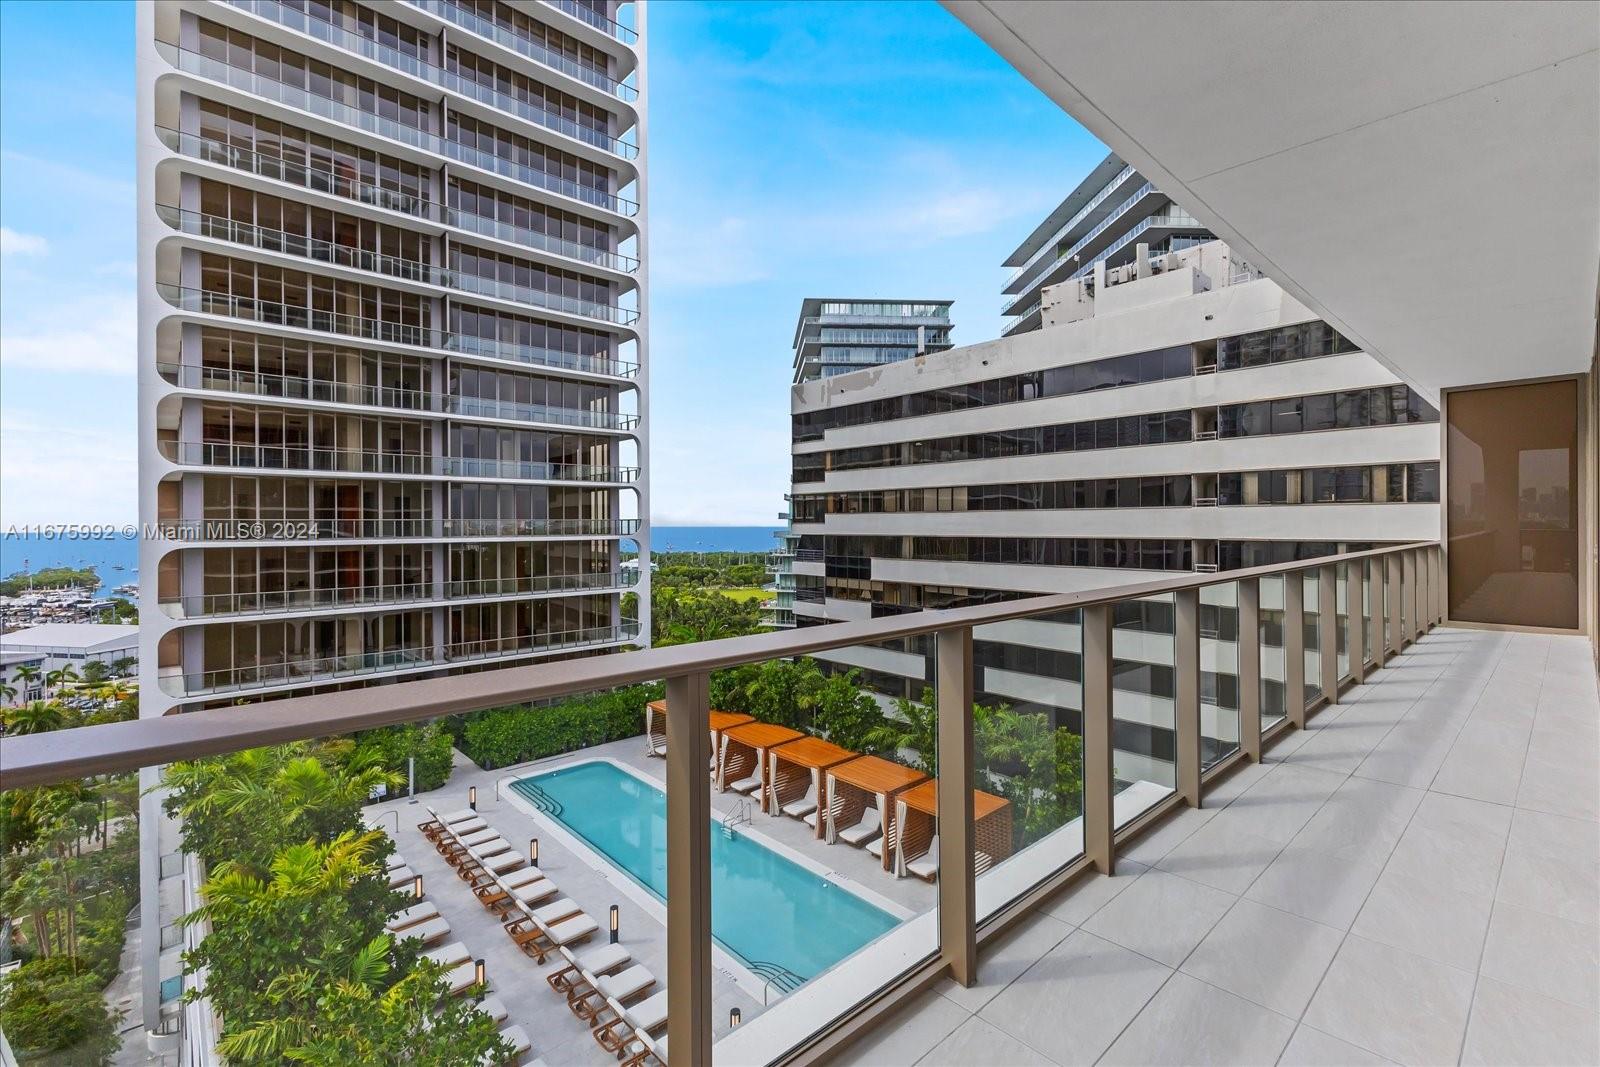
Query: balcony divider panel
(1186,693)
(958,928)
(1099,820)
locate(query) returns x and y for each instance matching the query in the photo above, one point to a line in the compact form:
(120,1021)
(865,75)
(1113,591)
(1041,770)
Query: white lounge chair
(434,929)
(469,826)
(478,837)
(870,826)
(494,1008)
(649,1014)
(503,862)
(400,876)
(610,989)
(460,978)
(811,819)
(530,894)
(627,1025)
(492,847)
(520,1045)
(750,783)
(875,847)
(926,866)
(570,931)
(459,815)
(521,877)
(416,913)
(448,955)
(806,805)
(564,908)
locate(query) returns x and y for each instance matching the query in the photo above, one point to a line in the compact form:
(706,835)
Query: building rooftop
(70,635)
(1092,183)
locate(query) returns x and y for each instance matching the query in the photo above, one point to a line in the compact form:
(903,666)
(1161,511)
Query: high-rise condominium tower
(1174,412)
(392,356)
(836,336)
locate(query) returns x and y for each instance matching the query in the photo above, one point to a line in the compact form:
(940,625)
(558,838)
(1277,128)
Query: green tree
(26,673)
(847,714)
(123,666)
(36,717)
(8,692)
(276,942)
(54,1013)
(61,676)
(95,672)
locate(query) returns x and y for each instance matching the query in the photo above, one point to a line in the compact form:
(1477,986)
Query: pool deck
(558,1037)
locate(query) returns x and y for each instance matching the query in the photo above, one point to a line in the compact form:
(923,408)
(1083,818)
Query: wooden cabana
(797,775)
(867,782)
(745,748)
(917,820)
(655,727)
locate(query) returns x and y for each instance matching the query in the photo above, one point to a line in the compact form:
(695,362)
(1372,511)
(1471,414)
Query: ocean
(116,559)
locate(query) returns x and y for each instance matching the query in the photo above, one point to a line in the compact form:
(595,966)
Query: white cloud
(92,335)
(65,470)
(13,243)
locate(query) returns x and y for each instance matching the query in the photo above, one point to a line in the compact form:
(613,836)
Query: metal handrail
(595,19)
(249,81)
(1044,249)
(1110,220)
(293,600)
(299,245)
(294,457)
(293,387)
(528,47)
(43,759)
(307,531)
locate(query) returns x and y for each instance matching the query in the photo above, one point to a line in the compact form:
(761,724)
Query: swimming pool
(772,913)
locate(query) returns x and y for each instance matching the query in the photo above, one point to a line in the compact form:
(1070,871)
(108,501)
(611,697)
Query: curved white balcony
(519,470)
(373,461)
(308,532)
(597,20)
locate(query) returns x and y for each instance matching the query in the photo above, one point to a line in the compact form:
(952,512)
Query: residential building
(1105,220)
(1185,414)
(777,611)
(73,644)
(393,360)
(838,335)
(27,687)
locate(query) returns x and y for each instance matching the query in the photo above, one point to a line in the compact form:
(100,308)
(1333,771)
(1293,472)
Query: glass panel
(1312,581)
(1219,672)
(1342,592)
(1027,753)
(1144,724)
(1368,598)
(1512,504)
(1273,641)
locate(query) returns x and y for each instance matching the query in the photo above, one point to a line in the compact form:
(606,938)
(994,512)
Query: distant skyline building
(1105,220)
(392,356)
(838,335)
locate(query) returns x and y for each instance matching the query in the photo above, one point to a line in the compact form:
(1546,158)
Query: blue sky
(795,149)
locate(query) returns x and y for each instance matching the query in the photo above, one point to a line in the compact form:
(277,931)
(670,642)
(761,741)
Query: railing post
(1294,648)
(1099,822)
(1328,630)
(688,870)
(1438,583)
(1355,598)
(958,917)
(1376,588)
(1186,691)
(1424,590)
(1250,668)
(1407,597)
(1391,601)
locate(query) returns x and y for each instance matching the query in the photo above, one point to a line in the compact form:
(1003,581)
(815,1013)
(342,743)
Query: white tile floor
(1413,879)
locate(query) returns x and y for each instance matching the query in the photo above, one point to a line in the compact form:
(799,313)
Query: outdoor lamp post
(416,887)
(472,797)
(533,852)
(735,1017)
(478,971)
(616,915)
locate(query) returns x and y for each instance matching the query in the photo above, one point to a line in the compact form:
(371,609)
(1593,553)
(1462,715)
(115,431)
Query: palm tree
(25,674)
(36,717)
(123,666)
(58,678)
(8,692)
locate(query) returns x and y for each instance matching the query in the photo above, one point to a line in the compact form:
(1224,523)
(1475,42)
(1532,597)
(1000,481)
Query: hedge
(500,737)
(391,746)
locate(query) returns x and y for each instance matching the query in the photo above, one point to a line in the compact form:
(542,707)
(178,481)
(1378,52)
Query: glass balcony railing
(518,235)
(293,96)
(932,852)
(313,529)
(587,14)
(474,407)
(372,461)
(1048,248)
(330,252)
(464,467)
(295,387)
(1117,214)
(287,601)
(322,30)
(535,51)
(294,316)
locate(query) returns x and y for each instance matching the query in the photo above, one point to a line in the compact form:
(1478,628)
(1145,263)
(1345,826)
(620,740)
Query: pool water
(770,912)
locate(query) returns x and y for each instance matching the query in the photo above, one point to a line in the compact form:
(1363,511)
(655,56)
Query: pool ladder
(740,814)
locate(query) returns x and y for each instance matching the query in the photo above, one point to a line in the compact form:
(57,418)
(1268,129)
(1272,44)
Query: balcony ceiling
(1425,176)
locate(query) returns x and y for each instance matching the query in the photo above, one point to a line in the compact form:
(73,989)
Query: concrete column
(1294,647)
(1099,822)
(688,870)
(958,917)
(1328,631)
(1186,692)
(1250,668)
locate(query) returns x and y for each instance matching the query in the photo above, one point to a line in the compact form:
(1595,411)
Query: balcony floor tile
(1191,1022)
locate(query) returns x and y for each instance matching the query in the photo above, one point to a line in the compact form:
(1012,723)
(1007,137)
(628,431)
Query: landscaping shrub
(500,737)
(390,747)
